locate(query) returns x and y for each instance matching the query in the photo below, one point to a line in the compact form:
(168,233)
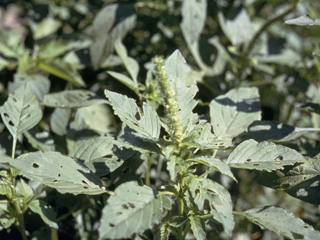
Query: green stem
(265,26)
(54,234)
(16,205)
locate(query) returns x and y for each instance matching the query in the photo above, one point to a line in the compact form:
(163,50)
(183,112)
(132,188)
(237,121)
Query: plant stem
(54,234)
(16,205)
(265,26)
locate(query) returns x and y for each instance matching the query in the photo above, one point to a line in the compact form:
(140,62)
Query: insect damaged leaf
(263,156)
(59,172)
(132,209)
(21,111)
(233,112)
(285,224)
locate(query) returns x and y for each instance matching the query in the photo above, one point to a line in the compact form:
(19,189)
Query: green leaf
(277,132)
(63,70)
(39,84)
(59,172)
(194,13)
(263,156)
(97,154)
(111,23)
(197,227)
(130,64)
(41,141)
(215,164)
(232,113)
(46,213)
(72,99)
(59,121)
(303,21)
(301,182)
(219,199)
(276,219)
(132,209)
(45,28)
(202,137)
(239,30)
(5,188)
(93,148)
(56,48)
(146,123)
(7,216)
(97,117)
(309,107)
(193,19)
(123,79)
(177,69)
(21,111)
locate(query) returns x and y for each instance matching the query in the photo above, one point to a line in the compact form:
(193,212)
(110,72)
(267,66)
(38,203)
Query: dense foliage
(162,119)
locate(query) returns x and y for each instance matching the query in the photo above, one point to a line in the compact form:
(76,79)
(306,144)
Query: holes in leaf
(278,158)
(55,180)
(248,160)
(14,99)
(81,95)
(89,95)
(85,182)
(131,205)
(256,164)
(11,123)
(59,175)
(125,206)
(111,225)
(26,116)
(35,165)
(6,115)
(27,106)
(119,213)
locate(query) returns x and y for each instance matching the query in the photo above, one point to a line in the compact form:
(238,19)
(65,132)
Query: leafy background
(69,52)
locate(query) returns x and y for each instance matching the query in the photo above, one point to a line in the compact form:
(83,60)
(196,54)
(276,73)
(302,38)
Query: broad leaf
(72,99)
(309,107)
(232,113)
(176,68)
(130,64)
(193,19)
(57,48)
(39,84)
(194,13)
(276,219)
(123,79)
(128,139)
(111,23)
(218,198)
(215,164)
(46,213)
(263,156)
(59,172)
(96,117)
(63,70)
(146,123)
(41,141)
(21,111)
(93,148)
(59,121)
(45,28)
(239,30)
(197,227)
(301,182)
(303,21)
(277,132)
(132,209)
